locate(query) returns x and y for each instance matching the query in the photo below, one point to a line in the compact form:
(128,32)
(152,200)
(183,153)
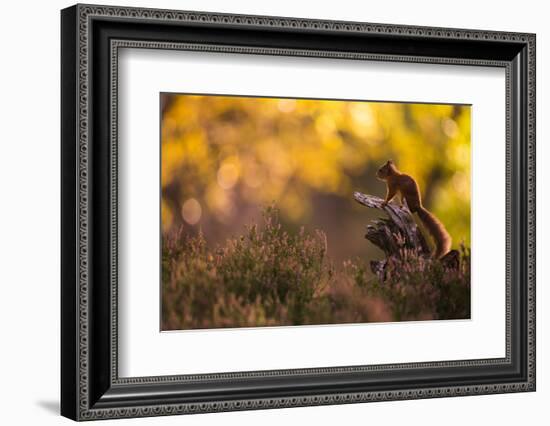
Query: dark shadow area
(51,407)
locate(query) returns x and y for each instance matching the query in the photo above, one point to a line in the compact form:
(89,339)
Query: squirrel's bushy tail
(440,235)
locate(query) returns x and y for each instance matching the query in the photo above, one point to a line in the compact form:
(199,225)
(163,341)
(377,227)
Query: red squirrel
(407,188)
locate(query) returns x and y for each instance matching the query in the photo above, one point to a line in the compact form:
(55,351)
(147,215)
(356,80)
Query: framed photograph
(263,212)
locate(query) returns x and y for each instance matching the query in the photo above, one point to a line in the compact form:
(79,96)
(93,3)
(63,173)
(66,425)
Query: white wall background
(29,211)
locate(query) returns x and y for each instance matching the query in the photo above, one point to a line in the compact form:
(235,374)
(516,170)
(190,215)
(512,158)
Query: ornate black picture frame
(91,36)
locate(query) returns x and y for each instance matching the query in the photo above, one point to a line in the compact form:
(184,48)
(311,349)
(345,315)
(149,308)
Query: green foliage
(271,277)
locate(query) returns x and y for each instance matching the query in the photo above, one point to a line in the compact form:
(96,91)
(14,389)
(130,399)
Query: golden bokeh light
(191,211)
(225,157)
(228,175)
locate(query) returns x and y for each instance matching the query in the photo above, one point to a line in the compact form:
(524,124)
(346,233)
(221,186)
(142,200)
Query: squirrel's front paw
(384,204)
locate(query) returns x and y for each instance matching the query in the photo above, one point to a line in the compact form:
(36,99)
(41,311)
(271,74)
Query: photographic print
(288,212)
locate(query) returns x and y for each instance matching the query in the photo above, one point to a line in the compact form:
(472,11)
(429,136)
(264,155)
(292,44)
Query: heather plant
(268,277)
(416,286)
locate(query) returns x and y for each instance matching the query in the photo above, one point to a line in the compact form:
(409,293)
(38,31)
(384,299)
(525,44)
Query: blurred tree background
(224,158)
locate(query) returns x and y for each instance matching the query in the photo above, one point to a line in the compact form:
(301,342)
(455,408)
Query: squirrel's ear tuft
(390,161)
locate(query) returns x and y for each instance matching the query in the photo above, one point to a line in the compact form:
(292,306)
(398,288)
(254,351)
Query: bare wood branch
(396,231)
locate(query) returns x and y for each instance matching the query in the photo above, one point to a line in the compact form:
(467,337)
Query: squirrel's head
(386,170)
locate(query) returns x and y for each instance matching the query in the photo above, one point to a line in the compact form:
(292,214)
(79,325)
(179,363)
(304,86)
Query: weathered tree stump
(390,234)
(399,230)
